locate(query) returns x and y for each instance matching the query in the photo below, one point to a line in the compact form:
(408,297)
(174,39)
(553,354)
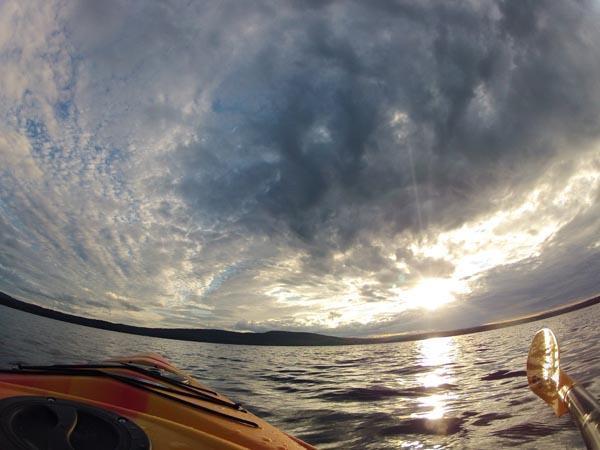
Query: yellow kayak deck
(173,409)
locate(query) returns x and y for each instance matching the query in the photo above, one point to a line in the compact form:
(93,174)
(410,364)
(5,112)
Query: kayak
(140,402)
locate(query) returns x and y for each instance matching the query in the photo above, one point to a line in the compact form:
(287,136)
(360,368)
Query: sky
(345,167)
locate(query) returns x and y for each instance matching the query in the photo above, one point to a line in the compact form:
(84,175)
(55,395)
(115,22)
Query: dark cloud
(301,133)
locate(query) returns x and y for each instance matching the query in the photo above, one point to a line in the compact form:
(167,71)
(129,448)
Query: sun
(432,293)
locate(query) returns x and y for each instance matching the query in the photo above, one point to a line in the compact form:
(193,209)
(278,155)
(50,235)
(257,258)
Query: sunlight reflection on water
(437,355)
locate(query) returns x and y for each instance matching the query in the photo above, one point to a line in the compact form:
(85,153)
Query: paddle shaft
(585,411)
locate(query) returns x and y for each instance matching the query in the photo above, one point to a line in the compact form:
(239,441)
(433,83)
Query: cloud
(306,165)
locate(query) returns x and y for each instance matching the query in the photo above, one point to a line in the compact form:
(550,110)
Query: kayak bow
(139,403)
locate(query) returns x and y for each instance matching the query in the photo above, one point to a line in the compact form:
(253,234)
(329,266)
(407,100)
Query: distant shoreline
(277,338)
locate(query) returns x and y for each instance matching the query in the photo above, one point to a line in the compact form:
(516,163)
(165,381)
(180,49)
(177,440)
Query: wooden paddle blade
(544,376)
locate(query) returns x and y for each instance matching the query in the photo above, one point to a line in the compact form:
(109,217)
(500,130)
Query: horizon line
(288,338)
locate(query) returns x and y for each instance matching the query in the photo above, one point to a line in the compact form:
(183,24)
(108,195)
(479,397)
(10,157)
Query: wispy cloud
(332,166)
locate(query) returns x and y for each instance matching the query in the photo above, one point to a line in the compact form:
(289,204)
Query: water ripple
(463,392)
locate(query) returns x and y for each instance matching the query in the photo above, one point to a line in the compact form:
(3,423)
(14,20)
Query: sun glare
(432,293)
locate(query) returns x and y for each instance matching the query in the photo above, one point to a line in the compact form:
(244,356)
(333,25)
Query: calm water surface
(459,392)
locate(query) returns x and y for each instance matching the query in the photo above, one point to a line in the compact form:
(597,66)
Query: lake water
(458,392)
